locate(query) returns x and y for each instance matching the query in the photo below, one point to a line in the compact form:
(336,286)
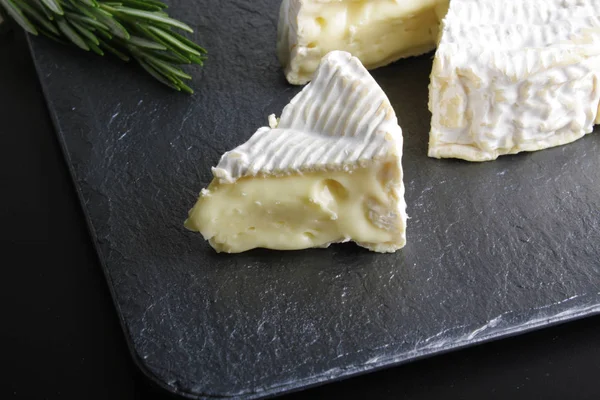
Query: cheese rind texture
(377,32)
(513,76)
(327,171)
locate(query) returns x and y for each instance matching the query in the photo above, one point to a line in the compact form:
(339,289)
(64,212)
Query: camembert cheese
(329,170)
(512,76)
(378,32)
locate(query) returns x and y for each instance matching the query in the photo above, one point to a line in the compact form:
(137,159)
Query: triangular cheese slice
(378,32)
(328,171)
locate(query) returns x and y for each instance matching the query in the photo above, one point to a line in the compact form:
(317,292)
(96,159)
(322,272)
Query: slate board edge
(313,381)
(55,122)
(364,369)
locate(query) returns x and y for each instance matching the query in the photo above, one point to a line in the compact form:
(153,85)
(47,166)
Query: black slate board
(494,248)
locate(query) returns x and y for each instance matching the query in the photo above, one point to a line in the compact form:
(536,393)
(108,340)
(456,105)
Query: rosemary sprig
(138,29)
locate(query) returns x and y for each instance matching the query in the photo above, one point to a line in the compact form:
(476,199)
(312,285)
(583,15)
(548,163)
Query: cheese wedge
(512,76)
(378,32)
(329,170)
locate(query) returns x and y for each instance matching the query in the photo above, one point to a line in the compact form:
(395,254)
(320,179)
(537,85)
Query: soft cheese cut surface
(378,32)
(513,75)
(328,171)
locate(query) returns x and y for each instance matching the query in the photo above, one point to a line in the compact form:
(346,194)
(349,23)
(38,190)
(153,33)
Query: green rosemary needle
(138,29)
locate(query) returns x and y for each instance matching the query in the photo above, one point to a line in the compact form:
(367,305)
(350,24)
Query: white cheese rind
(377,32)
(341,119)
(339,134)
(531,12)
(509,85)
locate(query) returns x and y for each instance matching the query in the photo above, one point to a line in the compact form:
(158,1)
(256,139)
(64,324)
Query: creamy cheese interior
(376,32)
(302,211)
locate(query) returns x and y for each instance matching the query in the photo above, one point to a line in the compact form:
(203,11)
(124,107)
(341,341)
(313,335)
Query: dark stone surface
(494,249)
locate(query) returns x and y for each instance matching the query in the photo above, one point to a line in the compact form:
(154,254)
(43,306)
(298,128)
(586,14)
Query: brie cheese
(329,170)
(512,76)
(378,32)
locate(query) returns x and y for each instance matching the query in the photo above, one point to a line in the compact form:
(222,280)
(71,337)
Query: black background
(61,338)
